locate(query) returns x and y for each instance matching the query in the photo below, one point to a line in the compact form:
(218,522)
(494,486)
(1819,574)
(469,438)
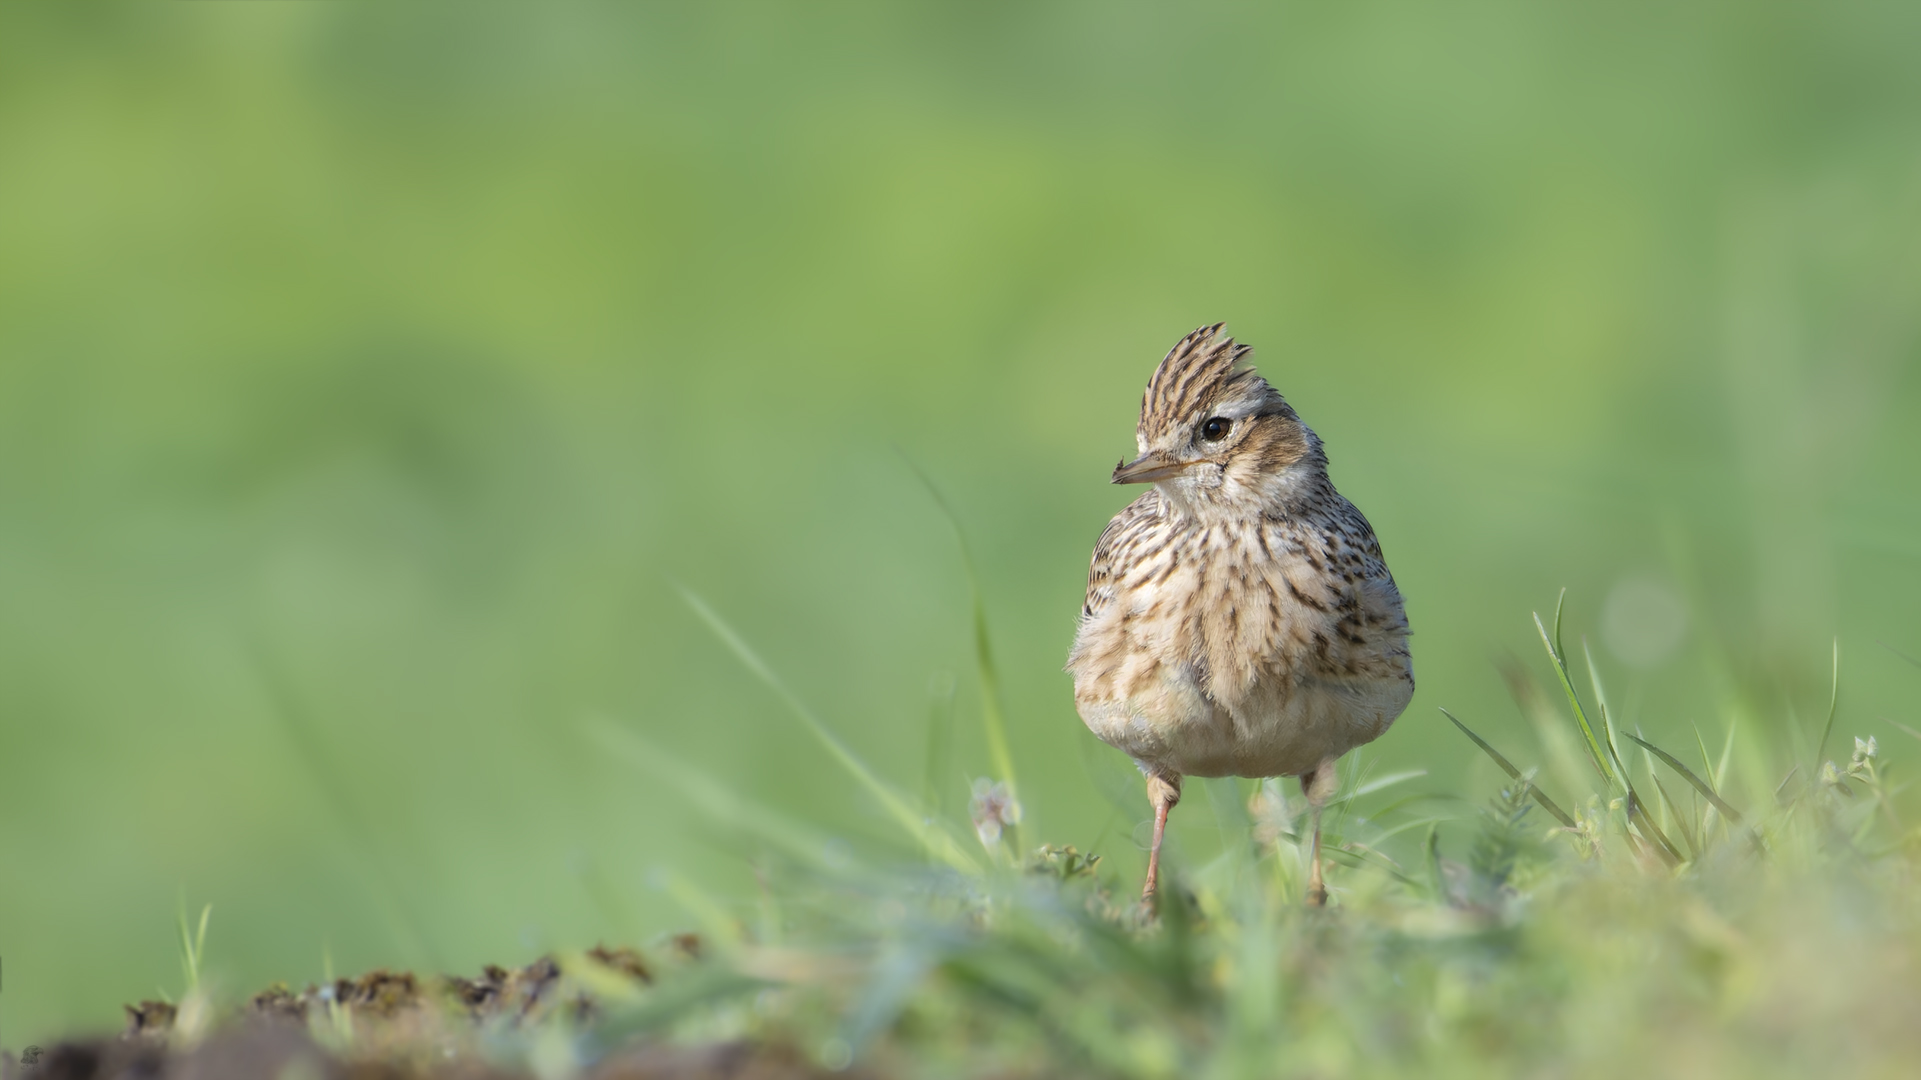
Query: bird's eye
(1214,428)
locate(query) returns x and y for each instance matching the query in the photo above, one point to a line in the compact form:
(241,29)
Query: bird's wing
(1119,538)
(1364,626)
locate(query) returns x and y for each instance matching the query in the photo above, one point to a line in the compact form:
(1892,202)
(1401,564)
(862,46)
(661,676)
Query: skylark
(1240,620)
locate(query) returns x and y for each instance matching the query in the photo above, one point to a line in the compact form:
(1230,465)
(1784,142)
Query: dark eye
(1214,428)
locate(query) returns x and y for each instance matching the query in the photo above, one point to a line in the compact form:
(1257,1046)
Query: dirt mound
(268,1050)
(387,1025)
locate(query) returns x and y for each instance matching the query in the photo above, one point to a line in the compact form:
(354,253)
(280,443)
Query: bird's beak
(1147,468)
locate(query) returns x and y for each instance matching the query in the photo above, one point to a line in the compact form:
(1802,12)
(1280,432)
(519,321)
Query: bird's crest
(1205,367)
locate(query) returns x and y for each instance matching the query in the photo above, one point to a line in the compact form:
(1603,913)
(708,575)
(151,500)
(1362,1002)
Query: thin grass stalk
(1707,759)
(1407,826)
(1610,732)
(1899,726)
(1723,768)
(1673,819)
(1605,760)
(936,841)
(1711,816)
(1553,645)
(993,717)
(1637,815)
(1357,857)
(713,799)
(193,944)
(301,725)
(1507,767)
(1834,698)
(1707,791)
(1672,816)
(1432,852)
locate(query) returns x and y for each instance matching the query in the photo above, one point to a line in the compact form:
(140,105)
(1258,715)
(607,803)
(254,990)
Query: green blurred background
(370,376)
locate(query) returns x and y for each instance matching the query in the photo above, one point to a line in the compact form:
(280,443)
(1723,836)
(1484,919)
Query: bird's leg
(1318,786)
(1163,791)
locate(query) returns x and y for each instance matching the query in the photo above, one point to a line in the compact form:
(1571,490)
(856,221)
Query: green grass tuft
(1567,934)
(1590,940)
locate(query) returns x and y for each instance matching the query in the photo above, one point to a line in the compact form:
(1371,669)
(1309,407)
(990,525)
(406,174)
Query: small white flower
(993,808)
(1861,766)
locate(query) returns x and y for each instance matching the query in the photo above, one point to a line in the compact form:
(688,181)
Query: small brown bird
(1240,620)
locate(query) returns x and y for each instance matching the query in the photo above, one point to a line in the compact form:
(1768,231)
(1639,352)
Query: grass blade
(1408,826)
(1912,662)
(1898,724)
(993,717)
(1375,784)
(1605,760)
(1727,757)
(1700,785)
(1650,833)
(713,799)
(1665,847)
(936,841)
(1707,759)
(1381,782)
(1834,697)
(1608,733)
(1554,654)
(1360,857)
(193,945)
(1409,800)
(1671,813)
(368,838)
(1781,789)
(1717,778)
(1433,853)
(1507,767)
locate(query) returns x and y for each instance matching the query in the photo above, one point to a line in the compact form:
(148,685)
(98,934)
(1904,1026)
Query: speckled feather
(1240,618)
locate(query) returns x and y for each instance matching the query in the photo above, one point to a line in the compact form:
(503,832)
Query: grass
(1747,914)
(1652,924)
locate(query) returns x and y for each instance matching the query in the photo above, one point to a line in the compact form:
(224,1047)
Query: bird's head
(1215,437)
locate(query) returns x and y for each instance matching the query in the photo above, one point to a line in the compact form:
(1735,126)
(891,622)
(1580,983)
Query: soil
(390,1025)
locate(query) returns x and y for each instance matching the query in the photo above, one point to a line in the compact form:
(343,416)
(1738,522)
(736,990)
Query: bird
(1240,619)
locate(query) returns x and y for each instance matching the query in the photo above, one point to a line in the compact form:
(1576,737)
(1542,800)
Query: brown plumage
(1240,620)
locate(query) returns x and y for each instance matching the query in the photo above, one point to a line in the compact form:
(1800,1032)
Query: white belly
(1282,728)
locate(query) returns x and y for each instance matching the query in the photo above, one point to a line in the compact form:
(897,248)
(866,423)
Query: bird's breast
(1240,651)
